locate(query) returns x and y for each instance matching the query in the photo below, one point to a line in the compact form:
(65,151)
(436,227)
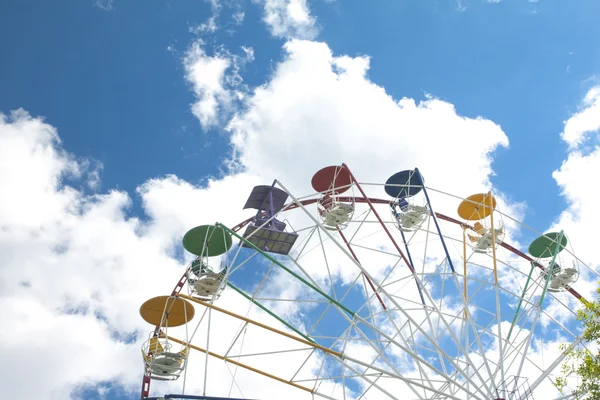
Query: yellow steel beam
(239,364)
(250,321)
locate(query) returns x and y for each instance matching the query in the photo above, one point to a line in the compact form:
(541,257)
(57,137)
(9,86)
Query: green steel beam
(551,266)
(289,271)
(521,301)
(271,313)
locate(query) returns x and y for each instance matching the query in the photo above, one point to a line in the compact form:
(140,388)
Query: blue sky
(117,95)
(112,77)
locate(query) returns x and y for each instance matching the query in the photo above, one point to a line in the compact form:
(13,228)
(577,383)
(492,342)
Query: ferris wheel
(365,290)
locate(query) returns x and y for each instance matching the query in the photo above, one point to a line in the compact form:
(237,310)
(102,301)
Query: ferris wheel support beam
(464,299)
(147,373)
(315,285)
(435,221)
(409,263)
(443,364)
(300,203)
(394,302)
(387,231)
(497,290)
(539,309)
(421,371)
(368,303)
(289,271)
(366,277)
(341,357)
(555,364)
(239,364)
(227,312)
(521,301)
(377,332)
(271,313)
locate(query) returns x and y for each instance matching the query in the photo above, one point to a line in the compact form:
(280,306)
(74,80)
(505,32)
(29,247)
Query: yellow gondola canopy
(178,310)
(477,206)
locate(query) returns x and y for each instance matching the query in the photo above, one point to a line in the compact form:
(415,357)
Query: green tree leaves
(584,361)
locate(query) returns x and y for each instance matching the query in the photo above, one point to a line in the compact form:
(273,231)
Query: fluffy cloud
(585,122)
(106,5)
(289,19)
(207,75)
(573,178)
(70,261)
(581,216)
(215,80)
(317,109)
(210,26)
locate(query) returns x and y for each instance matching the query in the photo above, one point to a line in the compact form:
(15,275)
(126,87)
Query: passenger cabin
(483,239)
(408,211)
(335,211)
(204,283)
(164,364)
(265,231)
(548,249)
(161,360)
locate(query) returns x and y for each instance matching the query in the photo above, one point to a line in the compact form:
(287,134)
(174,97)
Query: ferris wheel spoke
(369,387)
(540,305)
(388,253)
(377,350)
(468,319)
(379,354)
(438,349)
(463,298)
(371,312)
(348,297)
(419,283)
(241,264)
(361,223)
(422,372)
(327,265)
(555,364)
(336,377)
(417,357)
(371,366)
(319,374)
(408,342)
(305,242)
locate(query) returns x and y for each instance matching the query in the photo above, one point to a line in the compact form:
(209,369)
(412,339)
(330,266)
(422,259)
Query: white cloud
(106,5)
(316,109)
(320,110)
(75,268)
(60,251)
(584,122)
(216,81)
(210,26)
(238,17)
(574,177)
(289,19)
(207,75)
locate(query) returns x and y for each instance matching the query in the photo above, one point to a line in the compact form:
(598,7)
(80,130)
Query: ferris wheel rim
(374,200)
